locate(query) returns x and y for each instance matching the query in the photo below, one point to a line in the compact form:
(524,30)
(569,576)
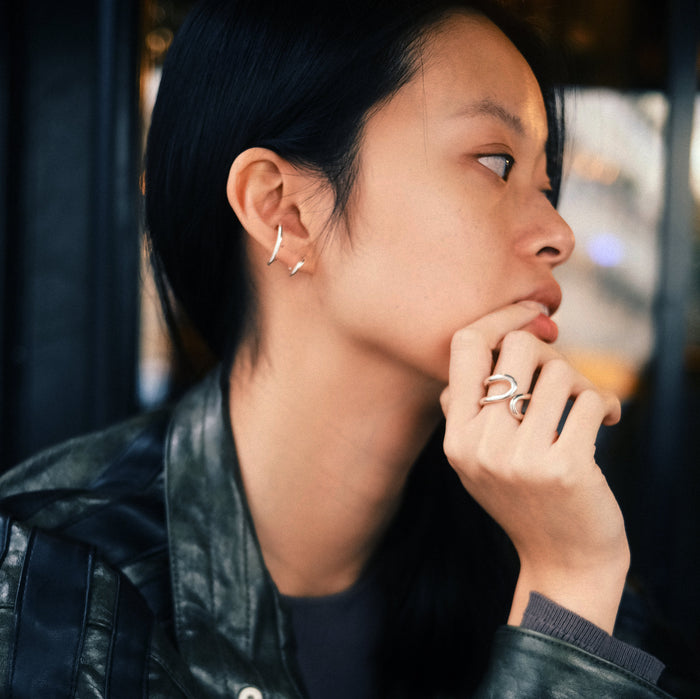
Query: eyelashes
(499,163)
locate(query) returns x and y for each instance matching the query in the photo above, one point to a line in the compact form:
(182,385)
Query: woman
(354,205)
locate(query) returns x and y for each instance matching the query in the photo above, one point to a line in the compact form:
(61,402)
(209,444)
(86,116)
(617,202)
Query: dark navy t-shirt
(338,635)
(336,638)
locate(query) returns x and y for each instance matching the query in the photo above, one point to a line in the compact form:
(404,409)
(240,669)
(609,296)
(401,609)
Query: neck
(325,441)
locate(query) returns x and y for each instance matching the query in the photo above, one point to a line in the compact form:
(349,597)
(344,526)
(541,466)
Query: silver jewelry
(278,244)
(517,414)
(297,267)
(494,378)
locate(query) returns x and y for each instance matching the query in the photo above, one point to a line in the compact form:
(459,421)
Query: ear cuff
(278,244)
(297,267)
(276,249)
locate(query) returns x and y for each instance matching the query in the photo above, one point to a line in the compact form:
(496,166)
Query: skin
(441,263)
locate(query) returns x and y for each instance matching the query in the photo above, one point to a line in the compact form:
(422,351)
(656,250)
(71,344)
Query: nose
(547,235)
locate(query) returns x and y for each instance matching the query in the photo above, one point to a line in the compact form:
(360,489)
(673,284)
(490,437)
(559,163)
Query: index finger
(471,354)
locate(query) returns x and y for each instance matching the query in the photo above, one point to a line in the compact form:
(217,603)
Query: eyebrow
(490,108)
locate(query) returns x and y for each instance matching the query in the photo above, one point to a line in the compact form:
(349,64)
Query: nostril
(548,251)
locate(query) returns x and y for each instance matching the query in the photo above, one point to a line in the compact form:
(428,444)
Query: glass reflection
(612,197)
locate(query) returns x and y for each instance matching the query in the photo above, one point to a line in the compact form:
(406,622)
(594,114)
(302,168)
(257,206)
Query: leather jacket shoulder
(130,568)
(85,605)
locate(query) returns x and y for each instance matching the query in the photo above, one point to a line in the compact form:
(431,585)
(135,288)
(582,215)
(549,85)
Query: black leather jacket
(130,568)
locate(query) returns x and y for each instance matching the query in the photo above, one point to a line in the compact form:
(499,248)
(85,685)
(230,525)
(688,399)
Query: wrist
(593,595)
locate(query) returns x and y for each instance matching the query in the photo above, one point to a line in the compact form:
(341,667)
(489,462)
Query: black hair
(447,573)
(301,78)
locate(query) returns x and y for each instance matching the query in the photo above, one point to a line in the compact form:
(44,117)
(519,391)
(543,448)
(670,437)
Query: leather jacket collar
(227,612)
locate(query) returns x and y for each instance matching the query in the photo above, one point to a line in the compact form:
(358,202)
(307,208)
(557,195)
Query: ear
(265,191)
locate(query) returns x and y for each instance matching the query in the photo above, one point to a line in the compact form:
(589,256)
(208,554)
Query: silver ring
(494,378)
(514,404)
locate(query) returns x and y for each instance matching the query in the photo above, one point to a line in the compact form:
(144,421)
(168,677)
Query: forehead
(469,68)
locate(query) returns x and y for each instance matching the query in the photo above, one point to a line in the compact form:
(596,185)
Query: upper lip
(548,295)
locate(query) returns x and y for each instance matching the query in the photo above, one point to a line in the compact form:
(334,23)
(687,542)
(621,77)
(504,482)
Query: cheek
(408,299)
(417,251)
(439,235)
(421,263)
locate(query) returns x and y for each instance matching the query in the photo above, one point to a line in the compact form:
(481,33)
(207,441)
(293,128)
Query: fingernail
(533,305)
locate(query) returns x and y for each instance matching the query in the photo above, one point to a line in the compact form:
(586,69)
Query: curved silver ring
(494,378)
(517,414)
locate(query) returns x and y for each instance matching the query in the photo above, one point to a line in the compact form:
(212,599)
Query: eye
(499,163)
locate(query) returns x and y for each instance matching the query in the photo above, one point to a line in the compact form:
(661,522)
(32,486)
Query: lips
(544,310)
(547,296)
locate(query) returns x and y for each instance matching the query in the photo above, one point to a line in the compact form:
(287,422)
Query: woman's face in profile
(449,218)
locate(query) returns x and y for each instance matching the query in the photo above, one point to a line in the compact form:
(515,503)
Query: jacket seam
(18,610)
(83,624)
(112,639)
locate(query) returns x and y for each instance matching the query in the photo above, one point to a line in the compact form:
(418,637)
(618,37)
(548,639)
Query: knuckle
(483,454)
(565,477)
(521,456)
(557,369)
(518,339)
(449,446)
(525,345)
(455,446)
(612,400)
(469,457)
(445,400)
(466,338)
(494,459)
(472,343)
(560,476)
(590,397)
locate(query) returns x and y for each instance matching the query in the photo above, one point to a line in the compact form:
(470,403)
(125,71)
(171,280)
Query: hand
(543,488)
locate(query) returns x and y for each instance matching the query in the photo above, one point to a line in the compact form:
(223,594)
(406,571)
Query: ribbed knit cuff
(548,617)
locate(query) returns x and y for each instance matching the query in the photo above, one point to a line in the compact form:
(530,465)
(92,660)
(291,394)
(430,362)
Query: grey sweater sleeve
(547,617)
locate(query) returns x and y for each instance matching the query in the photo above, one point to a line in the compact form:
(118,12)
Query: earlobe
(262,189)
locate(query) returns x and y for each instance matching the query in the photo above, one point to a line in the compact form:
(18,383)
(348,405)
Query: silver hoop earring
(297,267)
(278,244)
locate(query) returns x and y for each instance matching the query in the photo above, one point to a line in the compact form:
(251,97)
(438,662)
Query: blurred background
(82,342)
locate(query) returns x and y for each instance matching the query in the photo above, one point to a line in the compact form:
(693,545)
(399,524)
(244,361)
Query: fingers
(522,356)
(471,355)
(494,326)
(590,409)
(544,490)
(557,384)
